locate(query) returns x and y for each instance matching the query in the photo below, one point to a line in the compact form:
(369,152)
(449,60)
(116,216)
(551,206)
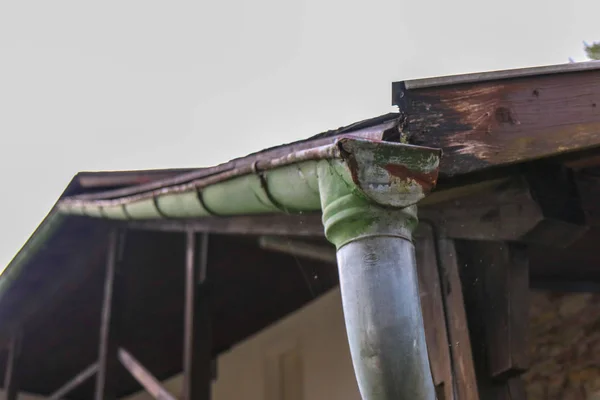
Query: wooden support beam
(108,362)
(456,321)
(11,377)
(517,210)
(276,224)
(75,382)
(582,160)
(197,353)
(506,292)
(432,307)
(144,377)
(319,252)
(513,389)
(496,122)
(588,185)
(496,276)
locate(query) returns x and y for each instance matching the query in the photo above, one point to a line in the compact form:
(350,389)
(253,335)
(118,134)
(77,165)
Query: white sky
(158,84)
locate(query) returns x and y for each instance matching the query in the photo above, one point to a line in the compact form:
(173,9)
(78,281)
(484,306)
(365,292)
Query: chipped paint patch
(391,174)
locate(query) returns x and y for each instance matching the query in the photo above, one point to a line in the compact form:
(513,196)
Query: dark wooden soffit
(504,118)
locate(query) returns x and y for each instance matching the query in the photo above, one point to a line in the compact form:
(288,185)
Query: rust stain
(351,160)
(426,180)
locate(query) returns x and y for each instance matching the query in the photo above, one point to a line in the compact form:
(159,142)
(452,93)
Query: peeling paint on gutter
(386,173)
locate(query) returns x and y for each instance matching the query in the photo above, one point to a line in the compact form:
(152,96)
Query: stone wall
(565,347)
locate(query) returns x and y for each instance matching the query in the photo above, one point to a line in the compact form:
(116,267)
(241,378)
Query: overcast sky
(147,84)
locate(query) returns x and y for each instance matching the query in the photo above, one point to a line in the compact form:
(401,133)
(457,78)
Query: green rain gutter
(367,191)
(385,173)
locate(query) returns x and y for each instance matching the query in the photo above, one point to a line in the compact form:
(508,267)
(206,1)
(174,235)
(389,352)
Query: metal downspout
(378,280)
(383,318)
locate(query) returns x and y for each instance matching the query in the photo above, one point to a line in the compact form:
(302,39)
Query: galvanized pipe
(384,323)
(378,280)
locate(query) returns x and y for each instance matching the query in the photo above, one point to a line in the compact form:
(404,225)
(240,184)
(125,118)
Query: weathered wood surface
(493,123)
(276,224)
(432,307)
(197,355)
(458,330)
(513,389)
(526,209)
(505,276)
(588,185)
(496,281)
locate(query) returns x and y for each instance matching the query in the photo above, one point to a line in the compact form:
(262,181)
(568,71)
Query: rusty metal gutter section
(288,184)
(367,191)
(373,129)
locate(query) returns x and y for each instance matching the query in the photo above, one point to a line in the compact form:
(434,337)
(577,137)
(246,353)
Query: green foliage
(592,50)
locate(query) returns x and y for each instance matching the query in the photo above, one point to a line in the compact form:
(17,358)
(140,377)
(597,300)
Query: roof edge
(499,75)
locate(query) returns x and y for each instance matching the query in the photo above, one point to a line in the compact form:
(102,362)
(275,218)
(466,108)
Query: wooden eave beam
(276,224)
(492,123)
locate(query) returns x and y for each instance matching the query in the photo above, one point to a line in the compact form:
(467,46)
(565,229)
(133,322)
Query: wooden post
(496,276)
(108,362)
(433,312)
(465,380)
(197,350)
(11,377)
